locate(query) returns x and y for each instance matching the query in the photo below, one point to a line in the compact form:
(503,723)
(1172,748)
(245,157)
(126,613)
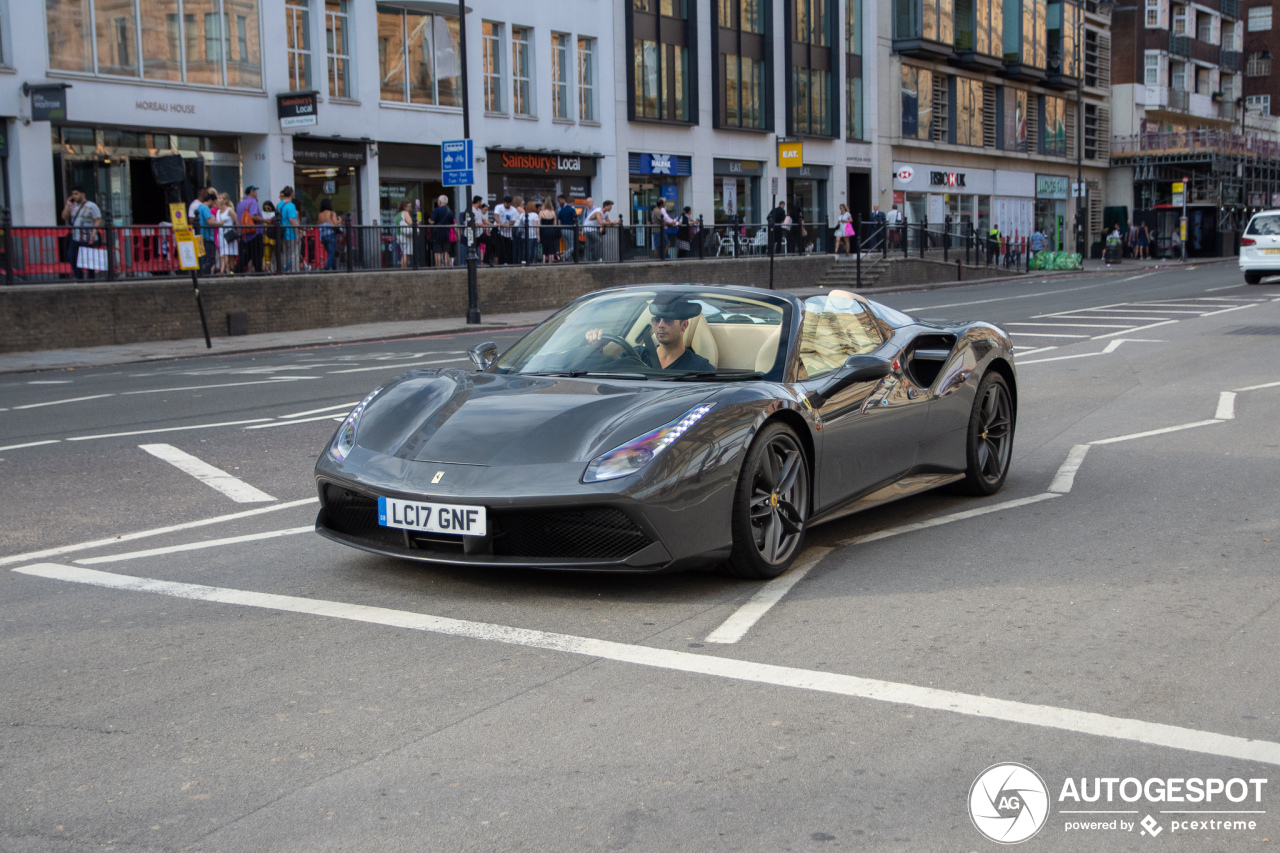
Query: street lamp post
(1080,235)
(473,286)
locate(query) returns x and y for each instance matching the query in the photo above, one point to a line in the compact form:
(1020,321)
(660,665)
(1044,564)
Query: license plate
(458,519)
(1271,251)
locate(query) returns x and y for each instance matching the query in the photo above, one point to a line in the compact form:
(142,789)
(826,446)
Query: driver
(671,314)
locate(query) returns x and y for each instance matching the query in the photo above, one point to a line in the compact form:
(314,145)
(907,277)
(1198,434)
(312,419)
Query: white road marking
(166,429)
(1140,310)
(1233,308)
(944,519)
(740,622)
(1043,335)
(1134,329)
(1059,358)
(196,546)
(278,381)
(1086,317)
(1081,325)
(1249,388)
(60,402)
(325,409)
(398,366)
(49,382)
(292,421)
(1177,428)
(146,534)
(31,444)
(1006,298)
(215,478)
(1111,347)
(1034,351)
(1066,476)
(1226,406)
(1044,716)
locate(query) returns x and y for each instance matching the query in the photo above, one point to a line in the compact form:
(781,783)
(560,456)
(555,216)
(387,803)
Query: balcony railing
(1179,100)
(1194,142)
(1179,45)
(1227,109)
(1229,60)
(1230,8)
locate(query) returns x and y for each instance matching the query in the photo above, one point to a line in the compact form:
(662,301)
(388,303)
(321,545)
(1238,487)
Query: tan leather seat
(698,338)
(769,351)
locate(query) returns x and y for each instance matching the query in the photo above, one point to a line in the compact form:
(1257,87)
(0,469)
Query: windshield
(658,334)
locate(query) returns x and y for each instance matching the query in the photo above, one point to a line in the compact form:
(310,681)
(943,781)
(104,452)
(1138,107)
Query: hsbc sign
(905,174)
(946,179)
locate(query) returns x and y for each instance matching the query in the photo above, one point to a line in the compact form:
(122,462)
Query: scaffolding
(1233,173)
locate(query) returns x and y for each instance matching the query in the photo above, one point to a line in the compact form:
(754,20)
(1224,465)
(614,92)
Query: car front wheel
(771,505)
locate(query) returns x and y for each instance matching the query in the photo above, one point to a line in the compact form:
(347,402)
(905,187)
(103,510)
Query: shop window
(1053,128)
(521,71)
(587,79)
(337,31)
(917,102)
(491,65)
(660,69)
(560,76)
(742,71)
(809,66)
(297,21)
(418,57)
(968,112)
(205,42)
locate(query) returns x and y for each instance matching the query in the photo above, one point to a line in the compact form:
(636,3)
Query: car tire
(1253,278)
(989,444)
(770,506)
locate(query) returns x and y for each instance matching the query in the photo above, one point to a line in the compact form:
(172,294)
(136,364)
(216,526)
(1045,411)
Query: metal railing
(1183,141)
(946,241)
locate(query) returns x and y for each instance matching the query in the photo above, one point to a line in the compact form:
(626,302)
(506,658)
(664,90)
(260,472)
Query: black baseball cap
(673,306)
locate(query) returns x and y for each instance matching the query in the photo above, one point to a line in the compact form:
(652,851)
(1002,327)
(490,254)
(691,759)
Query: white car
(1260,246)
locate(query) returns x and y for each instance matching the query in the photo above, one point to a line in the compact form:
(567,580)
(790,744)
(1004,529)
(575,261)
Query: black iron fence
(946,241)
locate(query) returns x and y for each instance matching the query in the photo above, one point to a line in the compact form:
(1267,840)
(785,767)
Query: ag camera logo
(1009,803)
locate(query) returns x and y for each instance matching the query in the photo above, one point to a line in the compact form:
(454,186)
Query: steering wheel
(627,348)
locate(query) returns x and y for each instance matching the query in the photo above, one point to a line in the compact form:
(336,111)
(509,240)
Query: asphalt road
(1121,622)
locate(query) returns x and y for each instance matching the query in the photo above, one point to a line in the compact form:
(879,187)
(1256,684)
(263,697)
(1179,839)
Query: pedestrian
(993,244)
(778,219)
(844,230)
(270,237)
(1037,242)
(249,217)
(502,217)
(592,223)
(799,238)
(684,233)
(85,219)
(659,219)
(567,216)
(1130,237)
(208,224)
(443,235)
(288,216)
(199,199)
(404,233)
(329,223)
(531,221)
(549,233)
(1144,241)
(228,238)
(893,222)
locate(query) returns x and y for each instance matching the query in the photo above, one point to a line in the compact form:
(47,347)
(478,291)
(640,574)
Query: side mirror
(859,368)
(483,355)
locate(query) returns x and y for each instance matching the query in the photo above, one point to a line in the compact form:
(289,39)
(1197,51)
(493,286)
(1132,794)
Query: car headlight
(629,458)
(345,440)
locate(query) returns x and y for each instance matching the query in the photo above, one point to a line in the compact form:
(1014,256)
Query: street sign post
(457,163)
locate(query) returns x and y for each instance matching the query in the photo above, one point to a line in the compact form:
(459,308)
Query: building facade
(371,90)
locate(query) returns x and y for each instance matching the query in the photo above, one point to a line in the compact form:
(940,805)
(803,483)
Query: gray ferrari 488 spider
(661,427)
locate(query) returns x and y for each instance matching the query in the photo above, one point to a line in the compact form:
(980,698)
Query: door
(870,430)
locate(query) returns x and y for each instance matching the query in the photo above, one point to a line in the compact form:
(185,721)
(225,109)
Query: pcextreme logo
(1010,803)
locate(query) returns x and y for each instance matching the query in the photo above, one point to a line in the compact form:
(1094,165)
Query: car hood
(453,416)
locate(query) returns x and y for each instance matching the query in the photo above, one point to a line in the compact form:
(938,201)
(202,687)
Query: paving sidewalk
(68,359)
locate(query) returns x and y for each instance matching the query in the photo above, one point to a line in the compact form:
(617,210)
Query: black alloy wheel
(771,507)
(990,442)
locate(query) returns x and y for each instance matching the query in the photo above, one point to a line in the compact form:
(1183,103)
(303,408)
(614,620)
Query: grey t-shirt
(82,222)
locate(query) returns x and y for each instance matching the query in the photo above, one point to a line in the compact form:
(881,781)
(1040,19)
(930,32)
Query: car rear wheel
(771,506)
(990,441)
(1253,278)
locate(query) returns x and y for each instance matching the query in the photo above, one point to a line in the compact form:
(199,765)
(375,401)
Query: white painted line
(215,478)
(1006,298)
(1034,351)
(1134,329)
(1059,358)
(1215,289)
(740,622)
(293,421)
(146,534)
(399,366)
(1081,325)
(60,402)
(347,406)
(276,381)
(1066,476)
(1226,406)
(1043,335)
(1140,310)
(31,444)
(1233,308)
(166,429)
(1045,716)
(49,382)
(1248,388)
(944,519)
(1087,317)
(1155,432)
(196,546)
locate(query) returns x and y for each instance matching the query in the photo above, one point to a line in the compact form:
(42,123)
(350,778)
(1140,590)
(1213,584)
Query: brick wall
(906,271)
(62,316)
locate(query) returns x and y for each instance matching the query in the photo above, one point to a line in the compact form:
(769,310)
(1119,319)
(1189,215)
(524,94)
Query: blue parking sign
(456,162)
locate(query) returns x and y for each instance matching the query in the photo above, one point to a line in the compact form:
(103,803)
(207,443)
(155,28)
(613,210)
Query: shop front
(1014,202)
(412,173)
(737,191)
(539,177)
(655,176)
(326,168)
(807,193)
(1051,209)
(953,197)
